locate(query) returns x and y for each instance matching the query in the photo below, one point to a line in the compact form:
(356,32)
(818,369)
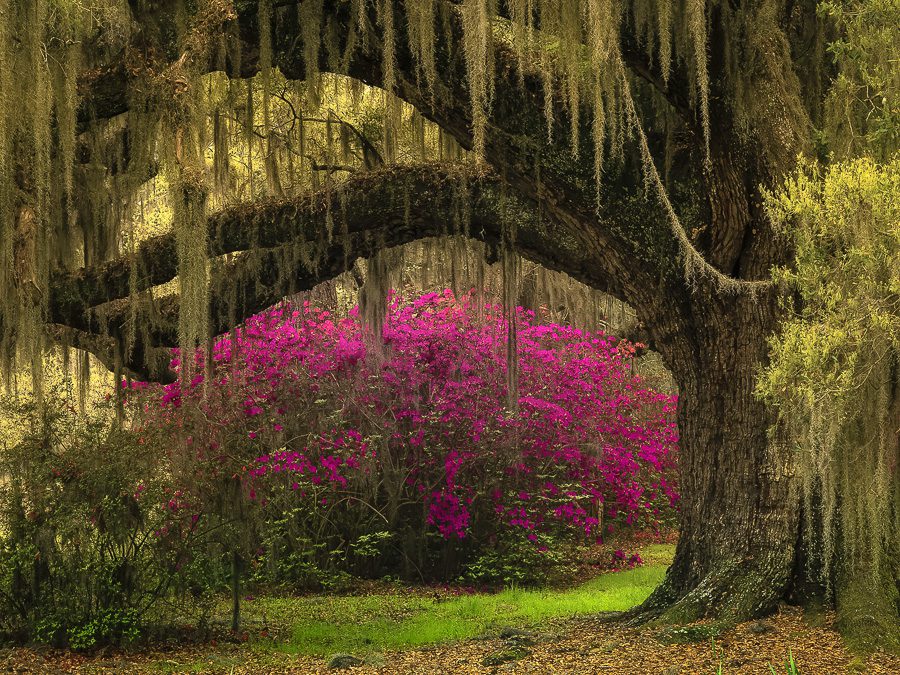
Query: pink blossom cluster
(307,403)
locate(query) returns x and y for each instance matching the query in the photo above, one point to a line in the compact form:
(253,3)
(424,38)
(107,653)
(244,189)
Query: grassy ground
(322,625)
(436,631)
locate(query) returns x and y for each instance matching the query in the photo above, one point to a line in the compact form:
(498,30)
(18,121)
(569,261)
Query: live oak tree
(627,144)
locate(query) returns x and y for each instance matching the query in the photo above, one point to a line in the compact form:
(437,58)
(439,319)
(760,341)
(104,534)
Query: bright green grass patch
(324,625)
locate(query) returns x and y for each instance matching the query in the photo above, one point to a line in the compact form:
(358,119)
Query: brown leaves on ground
(577,646)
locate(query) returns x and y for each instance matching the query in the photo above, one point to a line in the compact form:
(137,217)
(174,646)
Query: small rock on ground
(760,627)
(343,661)
(505,656)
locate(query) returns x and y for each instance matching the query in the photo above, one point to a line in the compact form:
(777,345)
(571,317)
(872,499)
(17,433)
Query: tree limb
(283,250)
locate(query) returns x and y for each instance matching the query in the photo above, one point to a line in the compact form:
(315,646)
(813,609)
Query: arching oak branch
(282,250)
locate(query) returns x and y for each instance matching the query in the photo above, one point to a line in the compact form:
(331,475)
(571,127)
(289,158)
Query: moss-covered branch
(285,251)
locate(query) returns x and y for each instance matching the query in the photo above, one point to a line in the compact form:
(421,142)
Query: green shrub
(82,511)
(516,561)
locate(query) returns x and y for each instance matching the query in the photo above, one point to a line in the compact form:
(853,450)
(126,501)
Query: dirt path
(578,646)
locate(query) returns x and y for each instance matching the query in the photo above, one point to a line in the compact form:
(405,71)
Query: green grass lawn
(321,625)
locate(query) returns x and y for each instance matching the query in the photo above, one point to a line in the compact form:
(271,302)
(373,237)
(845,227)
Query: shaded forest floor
(576,645)
(450,630)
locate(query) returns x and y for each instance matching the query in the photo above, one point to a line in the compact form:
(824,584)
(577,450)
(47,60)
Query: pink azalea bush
(409,453)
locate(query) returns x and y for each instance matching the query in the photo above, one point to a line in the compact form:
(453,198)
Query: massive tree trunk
(739,508)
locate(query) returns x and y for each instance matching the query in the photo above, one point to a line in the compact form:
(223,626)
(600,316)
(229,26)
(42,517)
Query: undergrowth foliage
(407,456)
(302,456)
(81,508)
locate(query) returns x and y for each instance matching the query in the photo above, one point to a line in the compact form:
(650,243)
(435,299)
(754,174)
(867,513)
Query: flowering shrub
(332,440)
